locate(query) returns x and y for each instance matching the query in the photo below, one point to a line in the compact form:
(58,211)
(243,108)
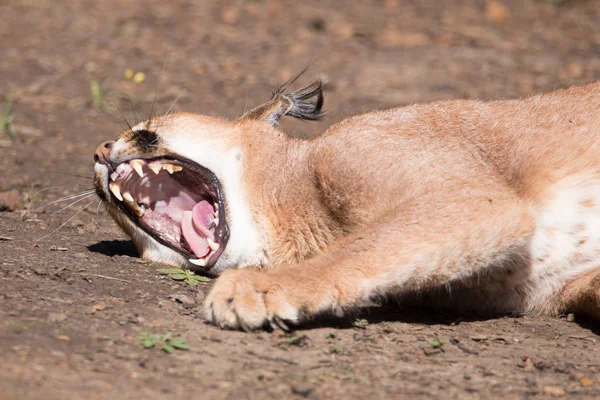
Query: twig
(107,277)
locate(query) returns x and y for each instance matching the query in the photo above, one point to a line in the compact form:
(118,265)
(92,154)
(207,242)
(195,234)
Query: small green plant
(147,339)
(336,350)
(6,119)
(101,96)
(360,323)
(297,340)
(105,99)
(438,342)
(185,275)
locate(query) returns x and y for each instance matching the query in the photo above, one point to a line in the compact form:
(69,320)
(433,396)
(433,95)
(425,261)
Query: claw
(243,325)
(273,325)
(280,323)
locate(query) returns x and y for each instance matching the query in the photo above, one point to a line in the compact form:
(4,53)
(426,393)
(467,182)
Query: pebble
(10,200)
(303,389)
(56,317)
(183,299)
(554,391)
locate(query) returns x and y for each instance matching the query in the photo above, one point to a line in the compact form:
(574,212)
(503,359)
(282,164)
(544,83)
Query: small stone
(183,299)
(555,391)
(231,15)
(39,270)
(496,11)
(10,201)
(302,390)
(542,365)
(585,381)
(562,368)
(576,70)
(56,317)
(56,248)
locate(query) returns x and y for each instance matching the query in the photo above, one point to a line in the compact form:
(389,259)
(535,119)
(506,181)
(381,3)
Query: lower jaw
(154,250)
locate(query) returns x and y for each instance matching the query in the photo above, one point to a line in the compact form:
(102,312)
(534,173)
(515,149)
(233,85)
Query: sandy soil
(74,301)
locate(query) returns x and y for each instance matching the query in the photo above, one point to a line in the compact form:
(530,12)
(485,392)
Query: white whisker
(174,102)
(64,223)
(56,187)
(98,208)
(73,203)
(69,197)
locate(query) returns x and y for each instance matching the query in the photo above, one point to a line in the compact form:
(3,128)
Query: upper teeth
(116,190)
(156,168)
(139,209)
(171,167)
(137,165)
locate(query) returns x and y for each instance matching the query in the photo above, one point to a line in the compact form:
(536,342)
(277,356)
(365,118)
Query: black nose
(102,153)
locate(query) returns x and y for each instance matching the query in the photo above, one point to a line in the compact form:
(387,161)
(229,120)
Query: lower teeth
(201,262)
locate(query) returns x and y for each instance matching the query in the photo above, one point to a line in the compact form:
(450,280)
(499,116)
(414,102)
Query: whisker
(245,105)
(156,93)
(69,197)
(123,116)
(68,174)
(64,223)
(174,102)
(132,109)
(56,187)
(127,122)
(73,203)
(98,207)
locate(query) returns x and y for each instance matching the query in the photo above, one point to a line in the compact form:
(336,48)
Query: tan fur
(445,200)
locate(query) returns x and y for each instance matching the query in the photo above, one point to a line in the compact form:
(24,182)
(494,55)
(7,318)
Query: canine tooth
(116,190)
(155,168)
(114,176)
(216,221)
(137,209)
(137,165)
(128,197)
(201,262)
(177,168)
(214,246)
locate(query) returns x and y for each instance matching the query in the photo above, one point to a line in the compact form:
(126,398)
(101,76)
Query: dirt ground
(74,300)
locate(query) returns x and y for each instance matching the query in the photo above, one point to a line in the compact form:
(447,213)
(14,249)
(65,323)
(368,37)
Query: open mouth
(177,202)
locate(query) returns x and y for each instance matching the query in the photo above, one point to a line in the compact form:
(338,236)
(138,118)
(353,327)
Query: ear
(305,104)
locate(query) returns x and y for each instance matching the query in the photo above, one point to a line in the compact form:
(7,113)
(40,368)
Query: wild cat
(489,206)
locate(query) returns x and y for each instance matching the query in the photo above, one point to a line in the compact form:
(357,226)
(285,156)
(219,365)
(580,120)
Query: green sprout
(438,342)
(178,274)
(169,344)
(6,119)
(360,323)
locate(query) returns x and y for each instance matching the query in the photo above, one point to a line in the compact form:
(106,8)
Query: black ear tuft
(305,104)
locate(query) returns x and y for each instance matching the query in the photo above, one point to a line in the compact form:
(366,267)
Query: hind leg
(582,295)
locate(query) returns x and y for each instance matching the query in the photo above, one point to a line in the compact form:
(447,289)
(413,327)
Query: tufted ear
(305,104)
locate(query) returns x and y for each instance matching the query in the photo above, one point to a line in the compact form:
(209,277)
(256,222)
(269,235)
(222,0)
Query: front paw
(250,299)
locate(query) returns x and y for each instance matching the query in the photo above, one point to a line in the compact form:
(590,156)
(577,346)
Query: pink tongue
(203,215)
(195,227)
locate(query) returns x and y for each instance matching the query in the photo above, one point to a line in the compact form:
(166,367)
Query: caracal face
(480,206)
